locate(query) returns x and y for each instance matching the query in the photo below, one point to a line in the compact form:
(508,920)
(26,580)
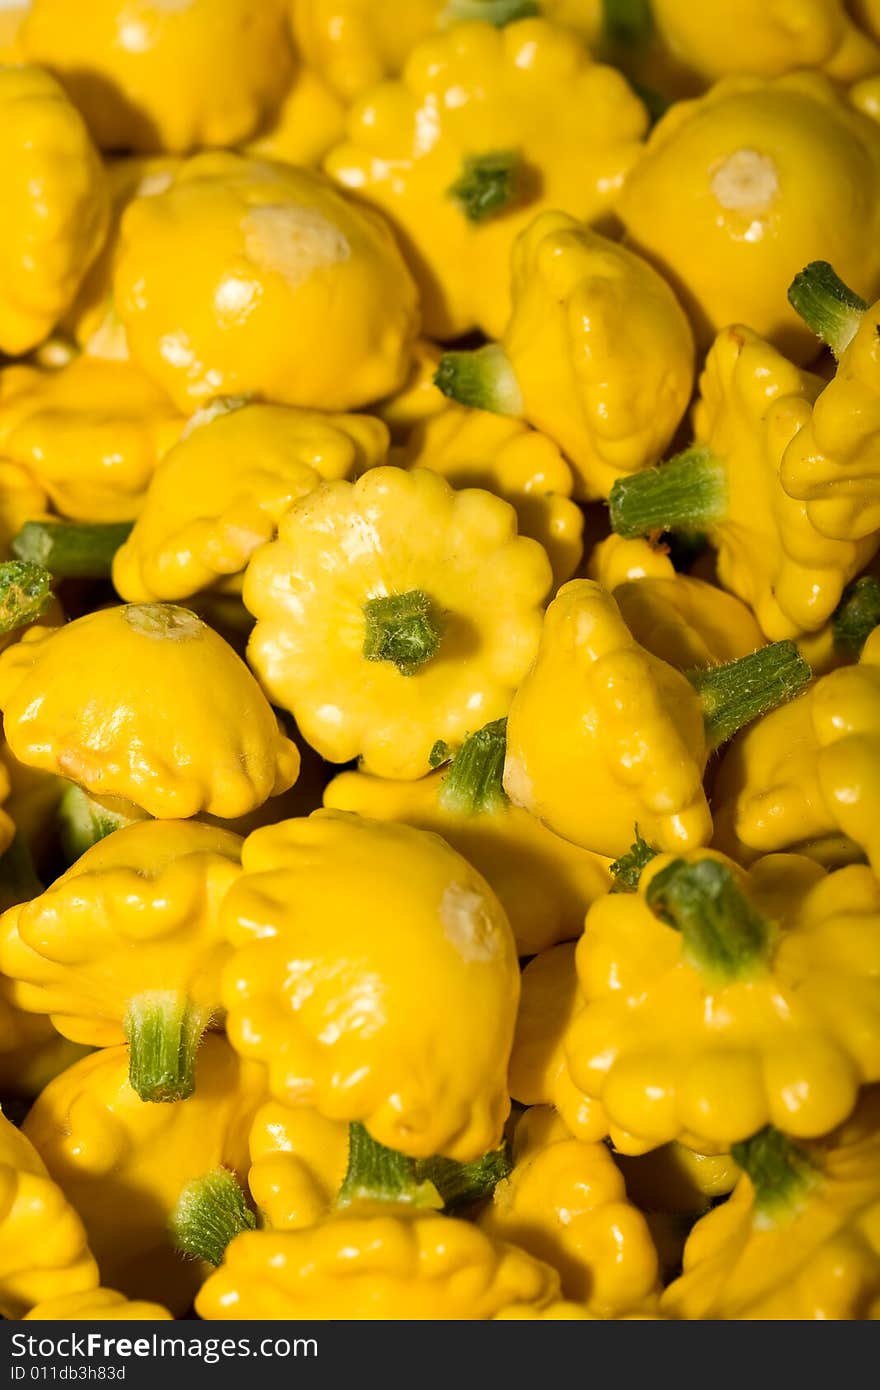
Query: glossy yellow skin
(124,1163)
(474,448)
(728,201)
(544,884)
(813,1260)
(354,43)
(151,76)
(298,1162)
(687,622)
(91,434)
(391,532)
(43,1250)
(309,122)
(833,464)
(603,735)
(735,36)
(538,1074)
(11,17)
(676,1179)
(618,559)
(98,1305)
(220,493)
(812,775)
(602,349)
(138,913)
(674,1052)
(475,89)
(565,1203)
(752,404)
(418,399)
(397,1267)
(246,277)
(21,499)
(355,943)
(148,703)
(55,205)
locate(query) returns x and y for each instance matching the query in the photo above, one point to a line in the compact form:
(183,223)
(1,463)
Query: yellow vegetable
(419,398)
(618,559)
(91,434)
(716,1002)
(538,1074)
(43,1250)
(310,120)
(11,17)
(21,499)
(55,206)
(145,702)
(356,43)
(799,1240)
(544,884)
(686,621)
(393,612)
(397,1267)
(603,735)
(730,200)
(160,76)
(675,1179)
(486,128)
(126,945)
(751,406)
(221,491)
(356,942)
(565,1203)
(597,352)
(98,1305)
(247,277)
(125,1164)
(298,1162)
(474,448)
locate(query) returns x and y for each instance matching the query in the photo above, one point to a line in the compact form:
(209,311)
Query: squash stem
(378,1174)
(25,591)
(461,1184)
(403,629)
(627,870)
(163,1030)
(780,1171)
(210,1212)
(724,935)
(487,185)
(497,12)
(473,784)
(69,550)
(686,493)
(857,614)
(483,379)
(84,820)
(740,691)
(826,305)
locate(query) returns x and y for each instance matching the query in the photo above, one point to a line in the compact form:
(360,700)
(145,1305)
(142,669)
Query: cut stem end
(473,784)
(735,694)
(482,379)
(163,1030)
(724,935)
(402,629)
(210,1212)
(826,305)
(687,493)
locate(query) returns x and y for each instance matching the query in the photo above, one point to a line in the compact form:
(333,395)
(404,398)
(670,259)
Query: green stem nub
(69,550)
(487,185)
(735,694)
(827,305)
(687,493)
(780,1171)
(497,12)
(210,1212)
(163,1031)
(724,935)
(83,820)
(378,1174)
(627,24)
(403,629)
(25,591)
(473,784)
(627,870)
(483,379)
(462,1184)
(857,614)
(18,877)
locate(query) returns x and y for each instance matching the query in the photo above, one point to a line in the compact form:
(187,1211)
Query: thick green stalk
(25,592)
(686,493)
(461,1184)
(487,185)
(473,783)
(378,1174)
(70,550)
(497,12)
(482,378)
(857,614)
(724,935)
(735,694)
(627,870)
(780,1170)
(83,820)
(826,305)
(210,1212)
(403,629)
(163,1030)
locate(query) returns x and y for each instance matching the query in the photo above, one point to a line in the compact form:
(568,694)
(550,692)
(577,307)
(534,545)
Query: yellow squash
(308,123)
(298,1162)
(97,1305)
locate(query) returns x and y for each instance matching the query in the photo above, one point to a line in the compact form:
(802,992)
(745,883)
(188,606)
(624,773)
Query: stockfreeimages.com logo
(209,1350)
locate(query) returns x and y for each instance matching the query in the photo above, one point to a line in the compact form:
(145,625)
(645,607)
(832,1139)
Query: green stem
(163,1031)
(83,820)
(18,877)
(25,592)
(743,690)
(627,870)
(473,784)
(482,378)
(403,629)
(487,185)
(857,614)
(69,550)
(687,493)
(826,305)
(724,935)
(497,12)
(461,1184)
(210,1212)
(627,24)
(780,1171)
(378,1174)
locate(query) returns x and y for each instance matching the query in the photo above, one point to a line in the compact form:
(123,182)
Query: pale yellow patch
(293,241)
